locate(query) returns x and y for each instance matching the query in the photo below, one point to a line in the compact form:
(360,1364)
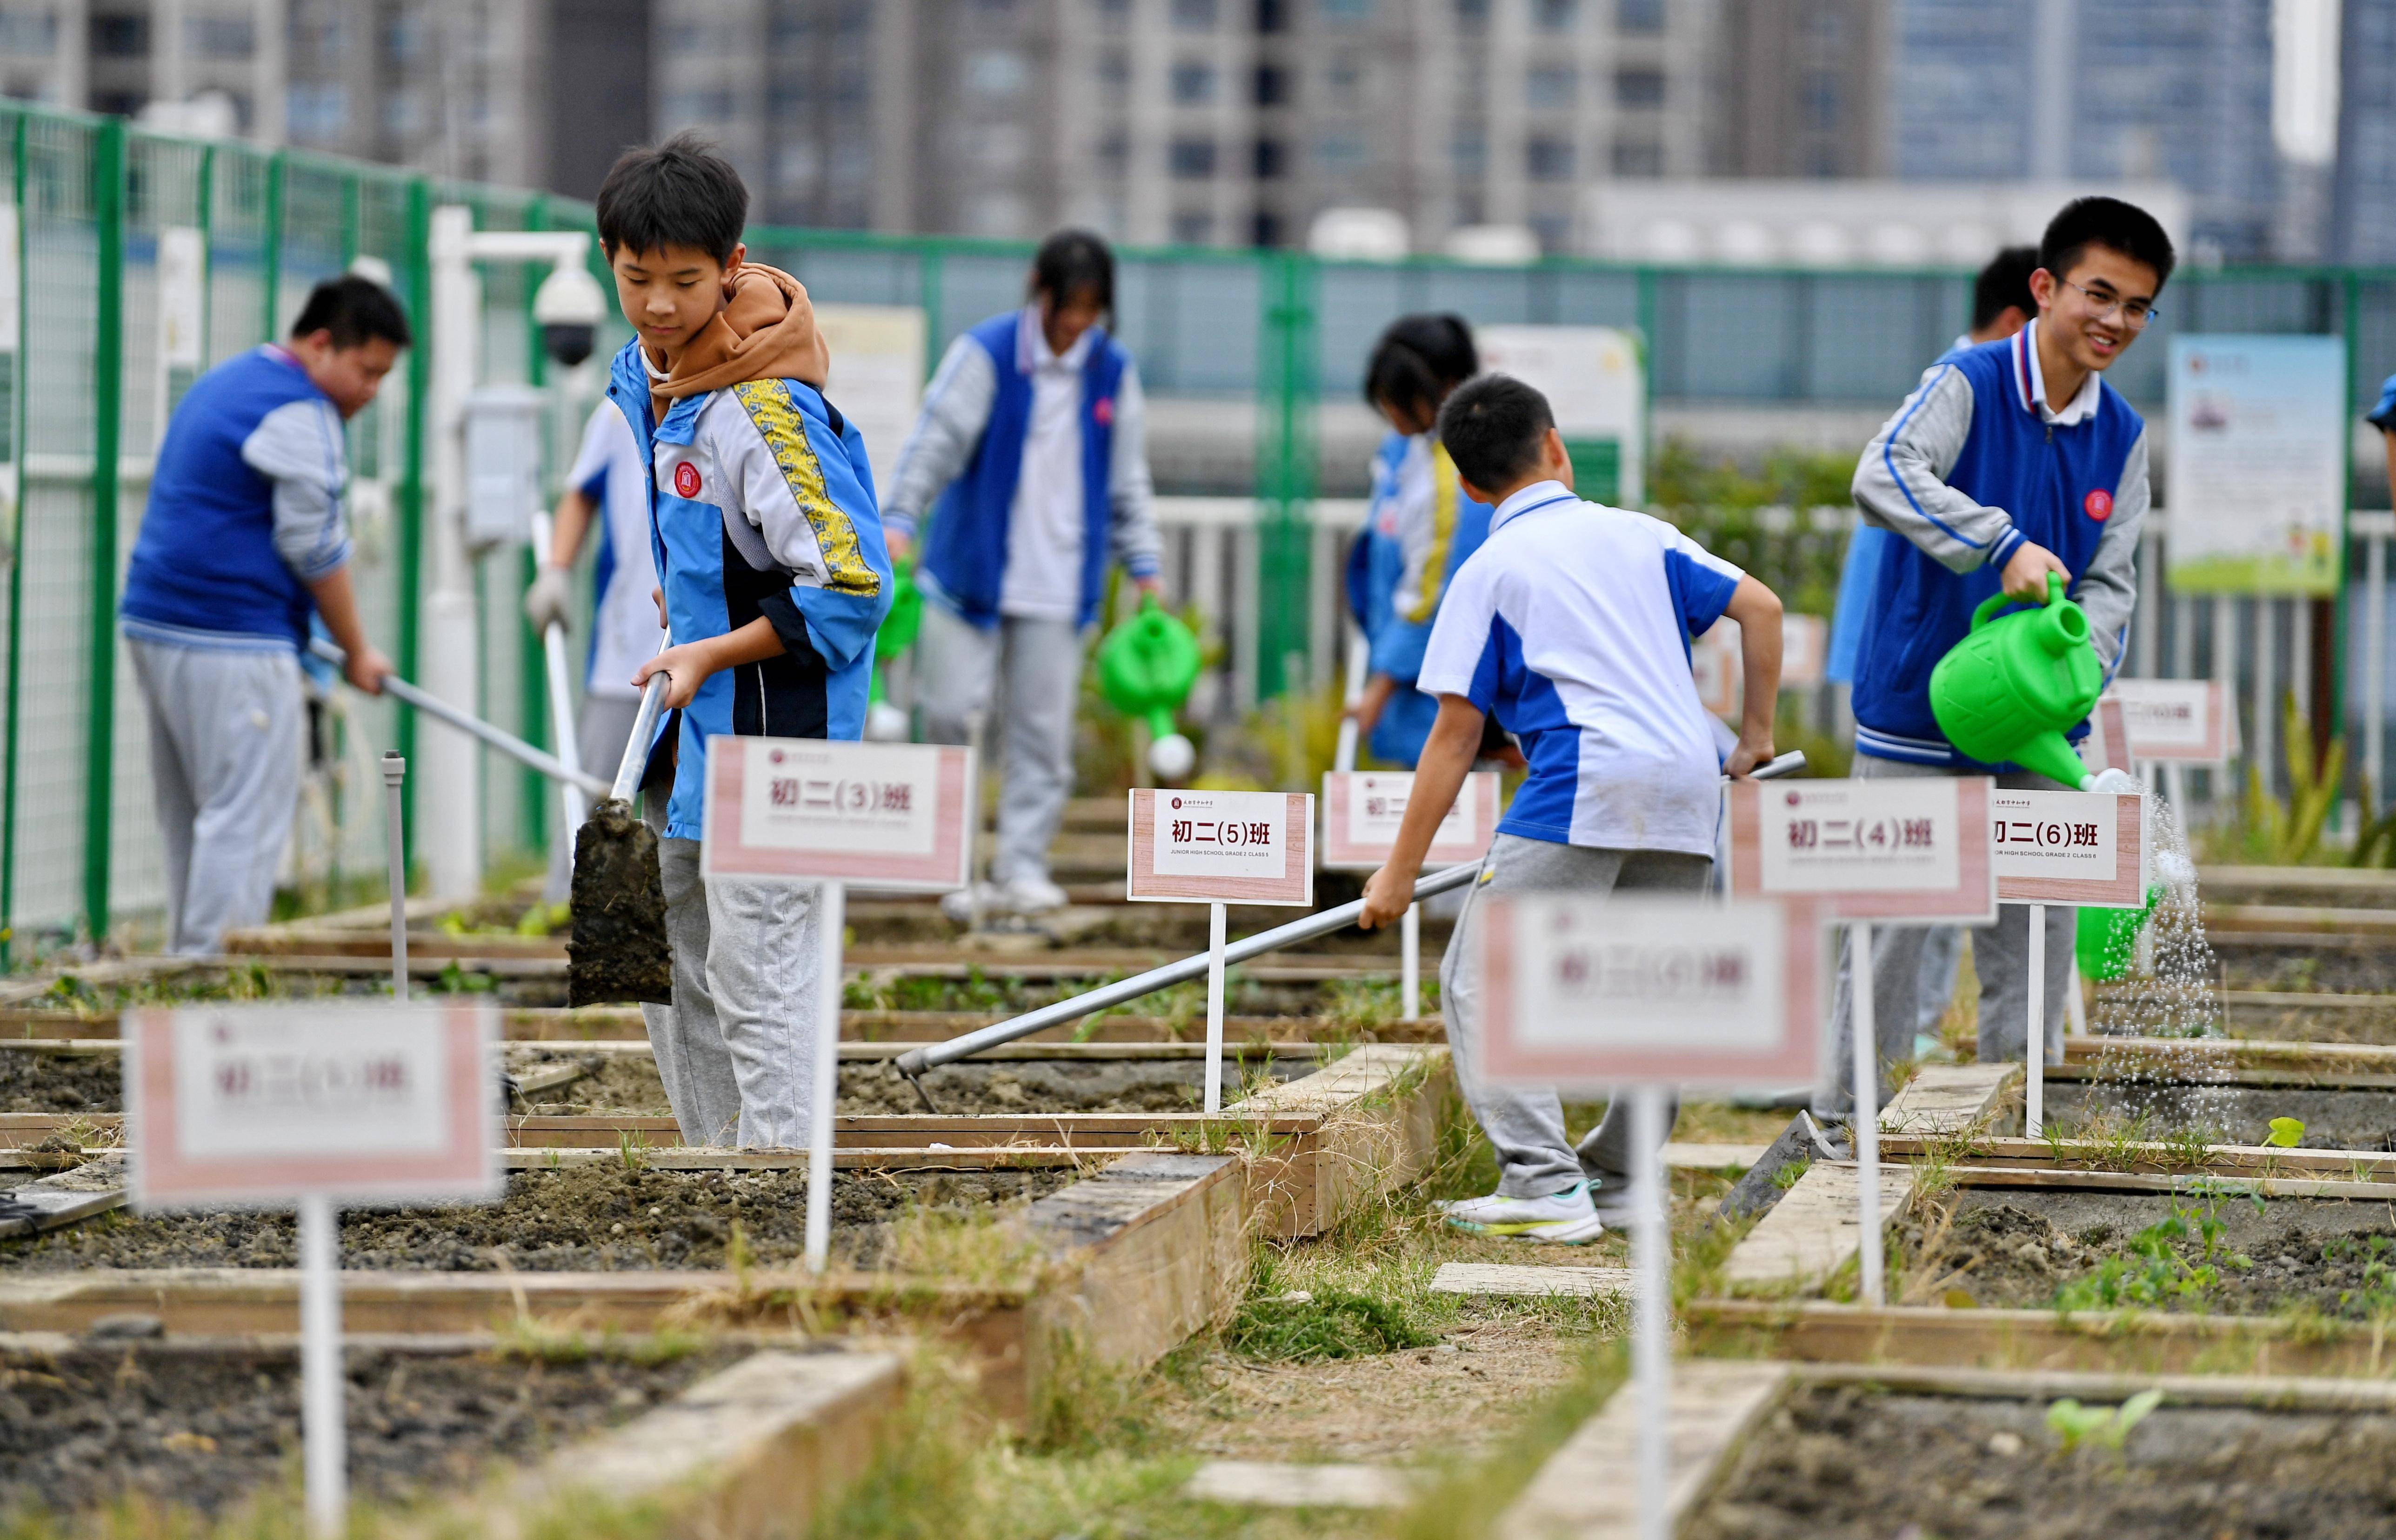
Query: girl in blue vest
(1418,530)
(1032,439)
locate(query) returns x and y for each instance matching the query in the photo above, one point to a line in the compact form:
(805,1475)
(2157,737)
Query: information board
(1589,995)
(267,1104)
(877,375)
(2185,719)
(889,816)
(2258,452)
(1361,810)
(1230,847)
(1908,852)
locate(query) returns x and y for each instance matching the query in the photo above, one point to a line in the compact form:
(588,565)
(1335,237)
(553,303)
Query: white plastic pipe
(1867,1069)
(1651,1305)
(1410,963)
(2035,1118)
(1217,920)
(323,1436)
(833,919)
(1343,758)
(561,701)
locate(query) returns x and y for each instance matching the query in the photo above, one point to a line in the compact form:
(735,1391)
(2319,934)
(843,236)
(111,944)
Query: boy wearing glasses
(2010,461)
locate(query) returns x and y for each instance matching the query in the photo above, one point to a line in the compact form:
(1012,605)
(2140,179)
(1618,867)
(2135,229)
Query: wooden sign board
(2188,720)
(2107,747)
(895,816)
(1905,852)
(1221,847)
(1589,995)
(1361,810)
(2070,847)
(267,1104)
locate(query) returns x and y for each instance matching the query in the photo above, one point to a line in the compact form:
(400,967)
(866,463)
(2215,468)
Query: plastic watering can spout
(2016,684)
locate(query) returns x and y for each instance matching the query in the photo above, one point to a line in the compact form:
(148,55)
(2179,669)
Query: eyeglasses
(2136,313)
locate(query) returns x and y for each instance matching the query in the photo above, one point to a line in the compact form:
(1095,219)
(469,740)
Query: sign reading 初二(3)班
(1239,847)
(890,815)
(1912,852)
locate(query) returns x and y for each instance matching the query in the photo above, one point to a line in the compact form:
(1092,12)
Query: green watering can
(1145,668)
(884,722)
(2008,691)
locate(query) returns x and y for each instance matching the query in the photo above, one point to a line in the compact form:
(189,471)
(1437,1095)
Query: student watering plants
(772,579)
(1420,527)
(242,545)
(1033,441)
(1570,628)
(2011,461)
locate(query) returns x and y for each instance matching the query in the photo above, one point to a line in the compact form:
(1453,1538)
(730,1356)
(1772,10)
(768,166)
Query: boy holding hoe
(2011,461)
(1571,625)
(772,581)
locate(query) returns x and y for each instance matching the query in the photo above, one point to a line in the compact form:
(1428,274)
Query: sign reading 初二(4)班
(1363,809)
(1201,847)
(890,815)
(1912,852)
(2069,848)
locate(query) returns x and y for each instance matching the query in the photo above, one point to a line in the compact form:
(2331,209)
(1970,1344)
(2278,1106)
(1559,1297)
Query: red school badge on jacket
(1103,411)
(2099,505)
(686,480)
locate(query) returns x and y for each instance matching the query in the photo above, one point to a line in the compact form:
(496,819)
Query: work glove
(549,599)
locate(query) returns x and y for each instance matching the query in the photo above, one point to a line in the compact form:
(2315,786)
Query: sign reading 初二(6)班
(1589,995)
(1236,847)
(1361,810)
(2069,848)
(1913,852)
(890,815)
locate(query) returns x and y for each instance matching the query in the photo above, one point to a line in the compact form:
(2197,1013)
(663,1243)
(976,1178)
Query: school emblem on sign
(686,480)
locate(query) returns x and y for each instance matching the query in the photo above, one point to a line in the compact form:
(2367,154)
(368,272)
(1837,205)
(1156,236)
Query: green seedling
(2286,1133)
(633,1147)
(2108,1427)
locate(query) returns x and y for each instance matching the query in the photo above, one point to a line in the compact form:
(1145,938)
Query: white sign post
(1639,997)
(310,1105)
(2063,847)
(1361,810)
(1220,848)
(893,816)
(1898,852)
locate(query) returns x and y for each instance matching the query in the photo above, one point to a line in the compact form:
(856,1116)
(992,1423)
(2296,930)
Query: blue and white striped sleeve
(299,448)
(1701,582)
(1900,481)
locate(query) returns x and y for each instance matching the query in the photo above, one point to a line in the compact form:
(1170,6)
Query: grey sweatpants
(599,740)
(224,764)
(1025,676)
(736,1048)
(1526,1128)
(2000,955)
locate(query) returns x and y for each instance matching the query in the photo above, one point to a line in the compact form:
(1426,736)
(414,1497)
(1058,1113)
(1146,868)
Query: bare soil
(203,1427)
(1837,1462)
(2335,970)
(2013,1248)
(591,1217)
(2226,1114)
(60,1082)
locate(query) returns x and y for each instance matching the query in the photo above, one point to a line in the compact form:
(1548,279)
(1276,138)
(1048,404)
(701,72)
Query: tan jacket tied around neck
(766,331)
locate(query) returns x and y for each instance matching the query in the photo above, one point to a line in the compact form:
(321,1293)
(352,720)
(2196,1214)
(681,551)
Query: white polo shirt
(1571,626)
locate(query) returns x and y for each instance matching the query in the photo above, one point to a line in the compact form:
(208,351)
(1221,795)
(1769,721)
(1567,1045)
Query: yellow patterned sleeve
(1442,534)
(779,423)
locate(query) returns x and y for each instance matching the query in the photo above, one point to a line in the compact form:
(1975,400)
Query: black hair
(2111,223)
(355,310)
(2005,282)
(678,194)
(1492,427)
(1071,262)
(1418,360)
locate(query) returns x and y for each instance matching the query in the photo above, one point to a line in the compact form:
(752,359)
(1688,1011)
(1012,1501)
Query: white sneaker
(1032,896)
(958,908)
(1565,1218)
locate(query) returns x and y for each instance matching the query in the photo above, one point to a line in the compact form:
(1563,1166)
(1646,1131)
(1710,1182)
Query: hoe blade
(617,954)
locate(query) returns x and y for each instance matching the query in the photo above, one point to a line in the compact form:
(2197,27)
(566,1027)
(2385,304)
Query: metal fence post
(8,781)
(107,397)
(411,479)
(1285,469)
(270,265)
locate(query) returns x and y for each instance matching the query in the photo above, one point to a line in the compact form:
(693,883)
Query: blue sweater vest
(2048,480)
(205,562)
(965,551)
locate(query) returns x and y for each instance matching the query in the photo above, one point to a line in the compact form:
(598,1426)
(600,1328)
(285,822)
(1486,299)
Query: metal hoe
(505,742)
(912,1063)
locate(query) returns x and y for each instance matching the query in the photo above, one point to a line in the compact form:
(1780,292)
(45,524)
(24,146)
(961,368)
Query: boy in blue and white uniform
(243,543)
(1033,441)
(2009,462)
(773,581)
(1571,626)
(607,487)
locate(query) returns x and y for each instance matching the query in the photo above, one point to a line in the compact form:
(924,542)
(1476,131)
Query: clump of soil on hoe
(591,1217)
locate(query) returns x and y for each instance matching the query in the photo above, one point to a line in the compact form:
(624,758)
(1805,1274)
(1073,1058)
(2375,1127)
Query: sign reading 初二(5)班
(889,816)
(1912,852)
(1236,847)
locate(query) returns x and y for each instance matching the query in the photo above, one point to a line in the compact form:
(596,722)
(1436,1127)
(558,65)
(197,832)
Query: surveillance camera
(568,307)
